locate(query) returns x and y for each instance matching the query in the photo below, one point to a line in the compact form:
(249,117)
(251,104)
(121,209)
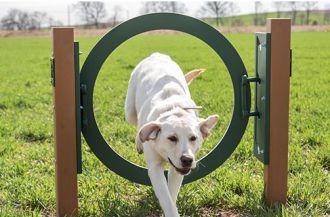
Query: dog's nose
(186,160)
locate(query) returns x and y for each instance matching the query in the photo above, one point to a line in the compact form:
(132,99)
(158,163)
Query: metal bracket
(83,107)
(245,82)
(290,62)
(52,71)
(78,107)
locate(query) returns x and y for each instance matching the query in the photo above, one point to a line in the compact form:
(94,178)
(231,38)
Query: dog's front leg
(174,183)
(158,181)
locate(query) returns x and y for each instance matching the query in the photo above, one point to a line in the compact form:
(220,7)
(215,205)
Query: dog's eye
(173,138)
(193,138)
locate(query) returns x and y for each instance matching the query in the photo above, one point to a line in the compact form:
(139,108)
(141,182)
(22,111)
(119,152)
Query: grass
(236,188)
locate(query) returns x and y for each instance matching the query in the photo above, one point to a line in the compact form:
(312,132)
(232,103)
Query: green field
(236,188)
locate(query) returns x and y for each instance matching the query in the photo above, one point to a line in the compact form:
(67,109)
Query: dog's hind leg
(174,183)
(130,109)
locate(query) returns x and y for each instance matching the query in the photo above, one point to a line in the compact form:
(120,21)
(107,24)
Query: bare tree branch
(294,6)
(91,12)
(115,15)
(38,18)
(279,6)
(163,6)
(326,16)
(258,19)
(308,7)
(22,20)
(217,9)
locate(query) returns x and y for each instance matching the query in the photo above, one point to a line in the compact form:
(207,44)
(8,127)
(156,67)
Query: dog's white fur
(156,103)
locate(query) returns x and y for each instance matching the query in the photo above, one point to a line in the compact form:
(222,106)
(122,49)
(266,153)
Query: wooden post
(276,173)
(65,123)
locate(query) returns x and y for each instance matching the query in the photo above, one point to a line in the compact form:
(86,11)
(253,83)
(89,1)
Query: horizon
(64,11)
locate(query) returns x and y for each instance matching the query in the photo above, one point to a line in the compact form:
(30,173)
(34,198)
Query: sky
(65,12)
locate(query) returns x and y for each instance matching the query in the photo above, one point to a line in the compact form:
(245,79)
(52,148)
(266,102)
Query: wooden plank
(65,123)
(276,173)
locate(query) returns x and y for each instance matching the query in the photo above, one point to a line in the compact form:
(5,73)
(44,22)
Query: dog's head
(177,136)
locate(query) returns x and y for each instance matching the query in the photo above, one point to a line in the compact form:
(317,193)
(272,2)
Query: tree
(294,8)
(279,6)
(302,18)
(163,6)
(38,18)
(233,9)
(326,16)
(176,7)
(258,18)
(15,20)
(91,12)
(308,7)
(150,7)
(217,10)
(115,16)
(51,22)
(9,22)
(22,20)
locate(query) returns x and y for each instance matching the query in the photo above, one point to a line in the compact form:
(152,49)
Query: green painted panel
(78,109)
(262,97)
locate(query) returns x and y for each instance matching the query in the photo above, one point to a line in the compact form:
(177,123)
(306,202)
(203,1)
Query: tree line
(299,10)
(22,20)
(94,13)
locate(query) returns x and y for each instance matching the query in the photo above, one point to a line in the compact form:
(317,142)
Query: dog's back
(156,74)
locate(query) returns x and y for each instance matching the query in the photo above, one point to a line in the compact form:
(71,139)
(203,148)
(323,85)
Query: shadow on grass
(147,206)
(33,137)
(224,210)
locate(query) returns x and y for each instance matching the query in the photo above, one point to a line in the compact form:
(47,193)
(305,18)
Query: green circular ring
(169,21)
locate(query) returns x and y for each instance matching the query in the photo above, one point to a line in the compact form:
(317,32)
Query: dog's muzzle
(182,171)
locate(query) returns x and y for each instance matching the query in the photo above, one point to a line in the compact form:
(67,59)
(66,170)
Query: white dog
(158,102)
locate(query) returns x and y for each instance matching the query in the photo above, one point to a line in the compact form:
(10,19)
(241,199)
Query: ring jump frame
(73,103)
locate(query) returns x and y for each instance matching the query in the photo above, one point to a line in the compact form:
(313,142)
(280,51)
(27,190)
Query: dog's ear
(149,131)
(206,125)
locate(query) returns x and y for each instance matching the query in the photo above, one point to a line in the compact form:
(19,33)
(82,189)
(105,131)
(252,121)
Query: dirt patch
(100,32)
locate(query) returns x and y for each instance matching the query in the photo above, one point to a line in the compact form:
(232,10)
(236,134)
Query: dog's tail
(190,76)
